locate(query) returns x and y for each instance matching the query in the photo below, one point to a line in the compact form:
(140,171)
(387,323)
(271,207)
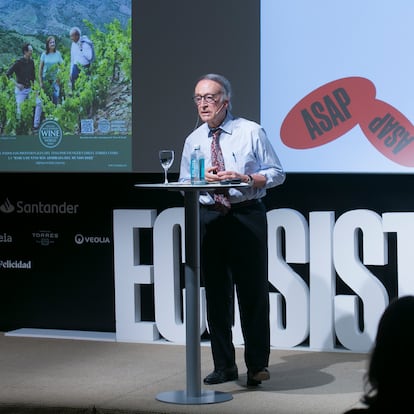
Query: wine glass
(166,159)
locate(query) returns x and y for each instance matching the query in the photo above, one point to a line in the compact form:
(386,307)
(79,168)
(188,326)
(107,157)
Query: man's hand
(211,175)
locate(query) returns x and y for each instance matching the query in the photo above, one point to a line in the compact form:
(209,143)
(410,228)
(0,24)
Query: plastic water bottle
(197,166)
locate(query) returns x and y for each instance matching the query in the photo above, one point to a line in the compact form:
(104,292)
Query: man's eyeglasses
(210,98)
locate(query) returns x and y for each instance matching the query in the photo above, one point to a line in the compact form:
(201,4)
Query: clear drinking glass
(166,160)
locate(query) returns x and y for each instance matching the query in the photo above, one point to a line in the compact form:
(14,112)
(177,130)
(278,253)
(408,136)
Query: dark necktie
(217,160)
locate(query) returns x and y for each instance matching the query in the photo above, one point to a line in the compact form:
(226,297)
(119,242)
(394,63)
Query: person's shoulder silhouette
(388,380)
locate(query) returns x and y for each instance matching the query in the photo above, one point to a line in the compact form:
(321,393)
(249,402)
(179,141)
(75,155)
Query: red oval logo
(390,132)
(327,113)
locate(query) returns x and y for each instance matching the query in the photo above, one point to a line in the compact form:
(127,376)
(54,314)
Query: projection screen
(337,84)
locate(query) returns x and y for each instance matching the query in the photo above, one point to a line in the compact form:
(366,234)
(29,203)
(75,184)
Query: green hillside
(11,46)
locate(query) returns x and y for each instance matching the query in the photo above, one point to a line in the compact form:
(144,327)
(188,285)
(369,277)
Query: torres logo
(333,109)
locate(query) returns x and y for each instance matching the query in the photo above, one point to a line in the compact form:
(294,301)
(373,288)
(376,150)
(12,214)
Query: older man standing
(233,228)
(81,54)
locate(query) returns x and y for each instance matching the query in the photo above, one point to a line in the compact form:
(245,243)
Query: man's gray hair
(223,82)
(75,30)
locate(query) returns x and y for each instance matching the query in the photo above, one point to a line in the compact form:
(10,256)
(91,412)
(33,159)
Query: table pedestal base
(206,397)
(194,395)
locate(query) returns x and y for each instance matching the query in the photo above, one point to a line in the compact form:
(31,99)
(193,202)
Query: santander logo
(7,207)
(333,109)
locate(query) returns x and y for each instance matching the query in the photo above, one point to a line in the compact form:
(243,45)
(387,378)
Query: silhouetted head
(392,357)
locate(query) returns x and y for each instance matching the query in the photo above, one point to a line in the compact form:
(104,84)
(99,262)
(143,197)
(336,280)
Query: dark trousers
(76,72)
(234,254)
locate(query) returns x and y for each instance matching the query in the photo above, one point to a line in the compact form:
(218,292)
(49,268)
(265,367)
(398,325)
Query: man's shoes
(255,378)
(222,375)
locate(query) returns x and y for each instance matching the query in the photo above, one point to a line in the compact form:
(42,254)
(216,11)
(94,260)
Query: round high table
(193,393)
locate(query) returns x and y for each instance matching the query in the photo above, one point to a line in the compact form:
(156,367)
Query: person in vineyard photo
(24,71)
(73,81)
(50,60)
(81,54)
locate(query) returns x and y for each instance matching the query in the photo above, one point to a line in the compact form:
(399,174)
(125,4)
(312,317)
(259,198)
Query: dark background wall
(175,42)
(71,285)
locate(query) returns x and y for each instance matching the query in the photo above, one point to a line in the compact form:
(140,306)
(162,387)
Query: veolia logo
(50,134)
(81,239)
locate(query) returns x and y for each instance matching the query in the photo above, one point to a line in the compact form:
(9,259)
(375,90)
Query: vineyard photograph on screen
(65,85)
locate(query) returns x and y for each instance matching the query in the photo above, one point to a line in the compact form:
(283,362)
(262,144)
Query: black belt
(246,203)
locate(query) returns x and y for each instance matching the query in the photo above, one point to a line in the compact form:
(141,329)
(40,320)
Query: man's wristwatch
(250,180)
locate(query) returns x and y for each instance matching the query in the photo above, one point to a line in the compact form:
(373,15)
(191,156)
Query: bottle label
(194,170)
(197,168)
(201,170)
